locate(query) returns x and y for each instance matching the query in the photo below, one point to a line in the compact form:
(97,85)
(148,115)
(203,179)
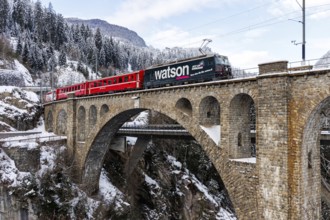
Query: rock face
(19,110)
(173,180)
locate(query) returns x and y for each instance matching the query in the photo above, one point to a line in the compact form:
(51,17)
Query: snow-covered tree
(4,13)
(98,39)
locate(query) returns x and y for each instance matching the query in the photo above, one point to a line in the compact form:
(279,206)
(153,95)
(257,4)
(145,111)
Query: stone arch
(241,122)
(104,110)
(81,122)
(61,123)
(101,145)
(49,122)
(209,111)
(184,105)
(92,117)
(311,161)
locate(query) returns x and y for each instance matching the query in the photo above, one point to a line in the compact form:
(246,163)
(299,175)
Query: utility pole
(303,22)
(303,29)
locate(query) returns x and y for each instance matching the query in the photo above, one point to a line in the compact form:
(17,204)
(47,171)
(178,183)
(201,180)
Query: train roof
(184,60)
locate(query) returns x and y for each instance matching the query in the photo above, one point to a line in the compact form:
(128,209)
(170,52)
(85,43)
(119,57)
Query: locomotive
(198,69)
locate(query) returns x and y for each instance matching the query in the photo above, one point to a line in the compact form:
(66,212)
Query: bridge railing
(308,65)
(153,126)
(35,139)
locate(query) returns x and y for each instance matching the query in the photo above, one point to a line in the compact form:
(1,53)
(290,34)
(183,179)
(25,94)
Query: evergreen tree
(19,12)
(60,32)
(102,58)
(29,23)
(62,58)
(25,55)
(98,39)
(38,20)
(51,26)
(52,63)
(19,47)
(4,13)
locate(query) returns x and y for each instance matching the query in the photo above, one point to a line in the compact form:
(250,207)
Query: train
(193,70)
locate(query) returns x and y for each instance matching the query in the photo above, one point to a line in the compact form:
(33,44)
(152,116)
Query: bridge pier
(273,142)
(139,147)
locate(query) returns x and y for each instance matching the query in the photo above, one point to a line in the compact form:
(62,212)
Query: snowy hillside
(121,33)
(14,73)
(19,109)
(323,62)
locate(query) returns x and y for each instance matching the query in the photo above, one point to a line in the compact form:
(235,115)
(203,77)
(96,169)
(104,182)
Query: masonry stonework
(282,184)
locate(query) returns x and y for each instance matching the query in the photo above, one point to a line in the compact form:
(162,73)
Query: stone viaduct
(285,181)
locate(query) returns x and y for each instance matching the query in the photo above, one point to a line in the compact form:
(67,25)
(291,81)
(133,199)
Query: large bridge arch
(307,104)
(310,161)
(99,140)
(100,145)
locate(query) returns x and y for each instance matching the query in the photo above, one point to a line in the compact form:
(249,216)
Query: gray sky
(248,32)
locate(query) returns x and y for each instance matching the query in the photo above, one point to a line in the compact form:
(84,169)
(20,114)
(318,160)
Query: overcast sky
(248,32)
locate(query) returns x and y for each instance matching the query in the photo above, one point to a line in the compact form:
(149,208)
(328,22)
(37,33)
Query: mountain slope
(110,30)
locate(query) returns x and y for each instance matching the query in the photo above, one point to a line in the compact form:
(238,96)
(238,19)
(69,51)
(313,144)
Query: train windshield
(222,60)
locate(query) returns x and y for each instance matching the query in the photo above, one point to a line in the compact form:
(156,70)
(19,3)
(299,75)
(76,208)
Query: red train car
(76,89)
(110,84)
(129,81)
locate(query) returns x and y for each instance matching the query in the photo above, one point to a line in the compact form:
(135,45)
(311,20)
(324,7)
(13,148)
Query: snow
(246,160)
(68,76)
(151,182)
(8,172)
(109,193)
(26,100)
(25,73)
(30,141)
(17,75)
(140,120)
(19,93)
(174,162)
(214,132)
(187,177)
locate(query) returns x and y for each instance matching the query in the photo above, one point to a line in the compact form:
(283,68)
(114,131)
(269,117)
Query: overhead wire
(218,20)
(258,25)
(250,27)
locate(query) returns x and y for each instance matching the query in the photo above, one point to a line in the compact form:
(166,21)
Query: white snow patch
(246,160)
(174,162)
(25,73)
(140,120)
(151,182)
(9,174)
(131,140)
(109,193)
(223,214)
(214,132)
(201,187)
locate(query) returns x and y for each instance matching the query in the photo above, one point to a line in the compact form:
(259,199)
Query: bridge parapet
(273,67)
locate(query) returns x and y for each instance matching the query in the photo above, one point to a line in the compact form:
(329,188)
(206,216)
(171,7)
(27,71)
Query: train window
(120,80)
(221,60)
(126,78)
(95,84)
(104,82)
(100,83)
(115,81)
(109,82)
